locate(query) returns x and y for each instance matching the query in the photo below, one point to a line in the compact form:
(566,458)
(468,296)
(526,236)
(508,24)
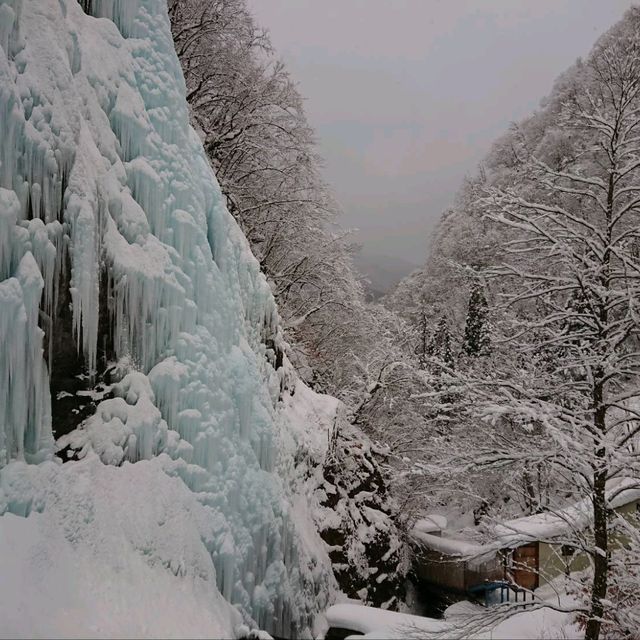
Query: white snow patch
(116,552)
(463,620)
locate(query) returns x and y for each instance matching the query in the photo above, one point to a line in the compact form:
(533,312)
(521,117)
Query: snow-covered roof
(431,524)
(623,492)
(450,546)
(553,524)
(537,527)
(542,526)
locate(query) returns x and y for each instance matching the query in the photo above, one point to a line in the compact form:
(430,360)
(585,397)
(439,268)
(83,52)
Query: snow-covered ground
(116,552)
(463,620)
(127,551)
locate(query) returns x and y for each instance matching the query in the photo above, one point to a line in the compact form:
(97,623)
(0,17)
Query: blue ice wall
(105,187)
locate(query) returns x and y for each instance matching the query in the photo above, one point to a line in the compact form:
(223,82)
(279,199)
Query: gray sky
(407,96)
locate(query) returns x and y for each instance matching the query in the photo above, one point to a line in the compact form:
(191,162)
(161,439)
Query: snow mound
(369,620)
(462,621)
(102,560)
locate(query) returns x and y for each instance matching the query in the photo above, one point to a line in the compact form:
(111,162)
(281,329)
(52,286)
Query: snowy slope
(102,560)
(106,198)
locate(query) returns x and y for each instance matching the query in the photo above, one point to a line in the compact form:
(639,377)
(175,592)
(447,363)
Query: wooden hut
(453,563)
(538,548)
(526,552)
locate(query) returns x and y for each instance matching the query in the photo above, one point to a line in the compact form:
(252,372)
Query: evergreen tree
(423,347)
(476,341)
(440,344)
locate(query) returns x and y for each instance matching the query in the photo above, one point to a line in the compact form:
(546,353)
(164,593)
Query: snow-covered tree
(569,286)
(476,340)
(439,347)
(422,349)
(251,118)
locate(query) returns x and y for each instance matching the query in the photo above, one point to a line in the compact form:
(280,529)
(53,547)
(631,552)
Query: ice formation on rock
(110,214)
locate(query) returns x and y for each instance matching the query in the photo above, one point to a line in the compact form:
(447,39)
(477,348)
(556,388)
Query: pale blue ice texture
(95,140)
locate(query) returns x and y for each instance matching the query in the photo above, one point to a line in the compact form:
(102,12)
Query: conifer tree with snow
(439,347)
(476,340)
(423,336)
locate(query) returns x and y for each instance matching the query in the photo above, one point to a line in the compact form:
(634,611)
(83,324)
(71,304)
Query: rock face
(356,522)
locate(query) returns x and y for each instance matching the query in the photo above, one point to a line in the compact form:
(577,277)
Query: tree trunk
(601,541)
(601,559)
(600,516)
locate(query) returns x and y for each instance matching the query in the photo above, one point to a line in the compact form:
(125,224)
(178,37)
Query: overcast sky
(407,96)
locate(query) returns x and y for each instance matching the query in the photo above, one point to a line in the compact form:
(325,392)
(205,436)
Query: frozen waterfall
(114,239)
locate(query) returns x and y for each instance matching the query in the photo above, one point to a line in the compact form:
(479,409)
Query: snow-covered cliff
(127,289)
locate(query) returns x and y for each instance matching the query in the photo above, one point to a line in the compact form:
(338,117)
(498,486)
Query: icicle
(122,12)
(25,425)
(9,211)
(13,321)
(36,391)
(46,254)
(84,290)
(9,21)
